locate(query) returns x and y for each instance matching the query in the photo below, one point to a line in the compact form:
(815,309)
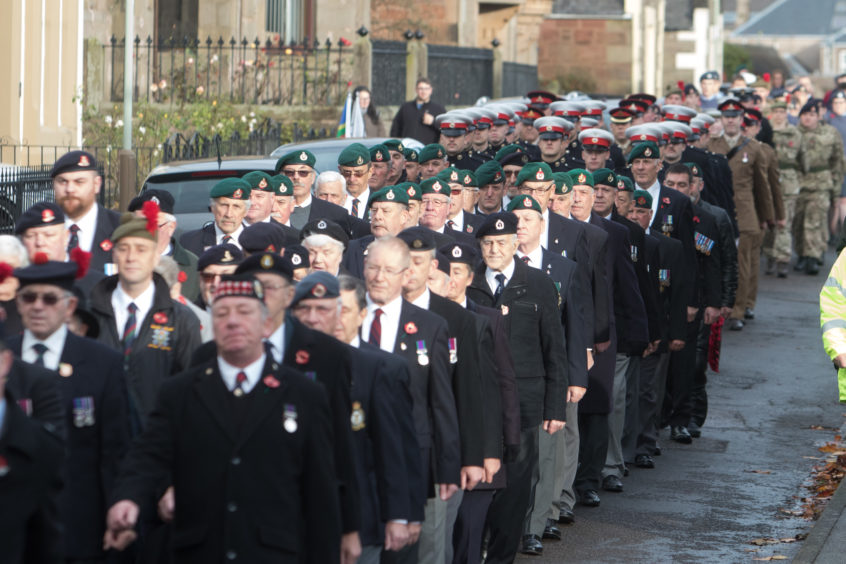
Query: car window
(191,195)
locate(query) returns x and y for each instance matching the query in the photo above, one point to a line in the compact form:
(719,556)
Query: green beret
(604,176)
(379,154)
(237,188)
(625,184)
(644,150)
(642,199)
(512,154)
(580,176)
(524,202)
(258,181)
(355,154)
(695,169)
(412,189)
(563,183)
(489,173)
(450,175)
(433,151)
(534,172)
(282,185)
(410,155)
(134,226)
(394,145)
(468,178)
(393,194)
(296,157)
(434,186)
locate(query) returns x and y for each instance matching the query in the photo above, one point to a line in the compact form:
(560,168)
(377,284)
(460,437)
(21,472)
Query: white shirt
(389,322)
(55,344)
(457,221)
(362,202)
(423,299)
(229,373)
(490,276)
(544,238)
(219,235)
(87,226)
(654,191)
(464,302)
(277,343)
(535,257)
(356,342)
(306,203)
(121,301)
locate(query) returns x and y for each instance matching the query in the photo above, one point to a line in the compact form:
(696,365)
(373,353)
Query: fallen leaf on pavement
(758,471)
(773,557)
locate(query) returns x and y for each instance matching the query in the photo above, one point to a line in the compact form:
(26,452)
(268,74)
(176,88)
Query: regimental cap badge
(641,201)
(318,291)
(643,136)
(454,176)
(452,125)
(155,199)
(411,191)
(548,128)
(47,216)
(440,154)
(498,177)
(237,193)
(83,161)
(416,244)
(262,183)
(582,178)
(620,185)
(594,139)
(467,180)
(266,262)
(500,225)
(227,256)
(303,156)
(527,203)
(360,160)
(296,260)
(539,175)
(647,152)
(258,289)
(436,186)
(321,224)
(695,170)
(456,252)
(390,194)
(379,156)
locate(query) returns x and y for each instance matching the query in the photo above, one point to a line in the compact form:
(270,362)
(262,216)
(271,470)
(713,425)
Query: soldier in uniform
(433,159)
(778,243)
(498,130)
(298,166)
(229,203)
(388,216)
(753,199)
(491,180)
(822,172)
(552,132)
(596,148)
(412,164)
(380,170)
(398,173)
(454,128)
(457,218)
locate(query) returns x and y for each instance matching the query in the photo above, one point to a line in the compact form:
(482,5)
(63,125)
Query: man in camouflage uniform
(821,174)
(778,243)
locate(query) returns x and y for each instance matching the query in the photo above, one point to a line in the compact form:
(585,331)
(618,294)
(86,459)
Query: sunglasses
(209,276)
(356,173)
(300,173)
(48,298)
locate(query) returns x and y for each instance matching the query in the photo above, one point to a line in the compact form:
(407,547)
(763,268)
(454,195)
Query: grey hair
(168,269)
(352,284)
(11,246)
(330,176)
(213,202)
(321,240)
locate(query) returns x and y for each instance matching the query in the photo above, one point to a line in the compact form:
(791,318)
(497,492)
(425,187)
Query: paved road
(702,503)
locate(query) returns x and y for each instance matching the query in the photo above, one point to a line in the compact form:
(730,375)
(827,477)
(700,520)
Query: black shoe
(531,545)
(566,517)
(800,264)
(551,531)
(644,461)
(812,266)
(735,324)
(588,498)
(612,484)
(680,434)
(694,430)
(783,268)
(749,313)
(657,451)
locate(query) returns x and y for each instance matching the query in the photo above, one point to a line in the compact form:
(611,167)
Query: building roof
(795,17)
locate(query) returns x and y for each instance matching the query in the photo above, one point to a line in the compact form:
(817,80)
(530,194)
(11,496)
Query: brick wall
(588,54)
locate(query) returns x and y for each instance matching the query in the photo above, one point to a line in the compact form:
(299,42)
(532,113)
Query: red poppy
(182,277)
(666,200)
(270,381)
(302,357)
(160,317)
(410,328)
(106,245)
(696,219)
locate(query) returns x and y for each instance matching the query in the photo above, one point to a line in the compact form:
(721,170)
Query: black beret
(39,215)
(459,252)
(224,254)
(298,255)
(262,236)
(62,274)
(267,262)
(317,285)
(161,197)
(74,161)
(501,223)
(443,262)
(325,227)
(418,238)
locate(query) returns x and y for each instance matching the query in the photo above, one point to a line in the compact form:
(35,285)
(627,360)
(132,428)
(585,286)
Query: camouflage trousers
(778,242)
(810,223)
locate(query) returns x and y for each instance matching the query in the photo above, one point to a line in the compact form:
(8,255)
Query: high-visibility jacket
(833,316)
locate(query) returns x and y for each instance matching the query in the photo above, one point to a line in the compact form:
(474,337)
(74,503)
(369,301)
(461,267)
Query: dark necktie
(451,224)
(73,242)
(40,349)
(376,329)
(500,279)
(129,329)
(226,239)
(525,259)
(355,203)
(240,378)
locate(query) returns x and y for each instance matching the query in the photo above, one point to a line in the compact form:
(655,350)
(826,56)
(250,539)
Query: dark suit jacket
(94,448)
(187,262)
(38,392)
(321,209)
(31,460)
(353,260)
(674,218)
(292,235)
(529,304)
(708,253)
(637,237)
(596,240)
(257,488)
(672,295)
(728,252)
(101,254)
(199,240)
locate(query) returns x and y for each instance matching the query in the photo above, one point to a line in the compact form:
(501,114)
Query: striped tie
(240,378)
(355,203)
(129,330)
(376,329)
(40,349)
(73,242)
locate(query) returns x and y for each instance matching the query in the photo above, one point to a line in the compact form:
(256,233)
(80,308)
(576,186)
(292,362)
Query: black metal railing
(460,75)
(388,67)
(253,72)
(517,79)
(21,187)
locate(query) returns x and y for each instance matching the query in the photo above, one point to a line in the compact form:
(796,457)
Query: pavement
(708,502)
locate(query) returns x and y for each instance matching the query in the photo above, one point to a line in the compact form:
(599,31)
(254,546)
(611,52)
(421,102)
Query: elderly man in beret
(230,200)
(433,159)
(388,216)
(325,241)
(298,166)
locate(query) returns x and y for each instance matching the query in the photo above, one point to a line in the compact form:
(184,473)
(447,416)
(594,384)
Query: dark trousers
(407,555)
(651,389)
(631,425)
(699,395)
(593,445)
(508,508)
(680,377)
(470,526)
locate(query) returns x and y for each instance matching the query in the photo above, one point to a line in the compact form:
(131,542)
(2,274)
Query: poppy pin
(270,381)
(106,245)
(302,357)
(410,328)
(666,200)
(160,317)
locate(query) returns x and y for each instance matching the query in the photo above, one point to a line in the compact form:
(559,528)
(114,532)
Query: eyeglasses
(527,190)
(300,173)
(375,270)
(47,298)
(435,203)
(356,173)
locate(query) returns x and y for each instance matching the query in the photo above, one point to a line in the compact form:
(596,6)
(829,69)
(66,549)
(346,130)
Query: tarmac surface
(707,501)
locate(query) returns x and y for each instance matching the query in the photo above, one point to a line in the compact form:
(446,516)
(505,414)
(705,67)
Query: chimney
(741,12)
